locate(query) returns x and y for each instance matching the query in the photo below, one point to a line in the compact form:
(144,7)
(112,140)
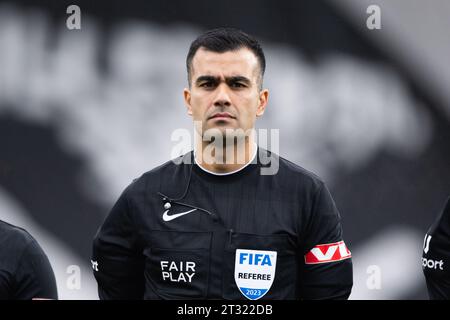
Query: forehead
(230,63)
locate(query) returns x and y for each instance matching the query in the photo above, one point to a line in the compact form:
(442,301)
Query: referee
(213,225)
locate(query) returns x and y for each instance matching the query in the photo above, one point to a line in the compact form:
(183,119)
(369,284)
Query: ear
(263,99)
(187,100)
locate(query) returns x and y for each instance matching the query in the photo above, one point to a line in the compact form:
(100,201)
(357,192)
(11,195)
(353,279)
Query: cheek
(247,112)
(199,104)
(250,105)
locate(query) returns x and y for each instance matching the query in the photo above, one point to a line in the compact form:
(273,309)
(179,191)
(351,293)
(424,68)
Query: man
(229,220)
(436,256)
(25,272)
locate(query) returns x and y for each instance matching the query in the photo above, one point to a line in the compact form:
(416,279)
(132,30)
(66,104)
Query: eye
(208,84)
(237,85)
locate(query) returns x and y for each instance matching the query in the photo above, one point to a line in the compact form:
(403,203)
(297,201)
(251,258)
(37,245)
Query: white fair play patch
(254,272)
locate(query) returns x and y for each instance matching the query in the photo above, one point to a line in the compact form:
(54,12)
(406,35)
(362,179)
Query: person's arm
(34,277)
(326,266)
(117,262)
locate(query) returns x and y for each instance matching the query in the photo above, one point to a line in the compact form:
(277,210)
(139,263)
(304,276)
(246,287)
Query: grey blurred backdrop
(83,112)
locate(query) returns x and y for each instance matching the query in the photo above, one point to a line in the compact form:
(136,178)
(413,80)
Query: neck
(222,158)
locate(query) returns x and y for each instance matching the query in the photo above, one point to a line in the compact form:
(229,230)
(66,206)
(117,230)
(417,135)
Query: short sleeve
(34,277)
(117,262)
(325,266)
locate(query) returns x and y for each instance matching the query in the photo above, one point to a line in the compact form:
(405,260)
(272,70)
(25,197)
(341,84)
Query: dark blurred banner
(85,111)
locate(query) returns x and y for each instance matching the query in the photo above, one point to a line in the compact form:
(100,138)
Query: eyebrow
(231,79)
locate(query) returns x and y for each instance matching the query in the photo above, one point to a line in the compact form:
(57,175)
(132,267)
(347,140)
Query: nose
(222,98)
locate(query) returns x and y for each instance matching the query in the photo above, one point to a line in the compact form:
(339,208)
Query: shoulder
(14,236)
(440,229)
(17,241)
(290,171)
(154,178)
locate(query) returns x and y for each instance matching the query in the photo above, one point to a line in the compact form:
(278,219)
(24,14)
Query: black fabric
(436,256)
(25,271)
(289,212)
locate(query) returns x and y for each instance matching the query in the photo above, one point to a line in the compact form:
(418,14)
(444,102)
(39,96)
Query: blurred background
(83,112)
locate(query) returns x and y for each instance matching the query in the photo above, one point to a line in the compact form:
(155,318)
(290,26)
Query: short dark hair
(222,40)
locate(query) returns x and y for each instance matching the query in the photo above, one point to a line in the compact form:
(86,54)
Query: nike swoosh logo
(166,217)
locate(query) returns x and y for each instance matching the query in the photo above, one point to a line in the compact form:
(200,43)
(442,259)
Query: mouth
(222,115)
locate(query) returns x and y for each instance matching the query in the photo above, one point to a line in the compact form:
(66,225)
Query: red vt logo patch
(329,252)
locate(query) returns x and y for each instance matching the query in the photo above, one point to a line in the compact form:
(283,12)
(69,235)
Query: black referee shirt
(436,256)
(179,232)
(25,272)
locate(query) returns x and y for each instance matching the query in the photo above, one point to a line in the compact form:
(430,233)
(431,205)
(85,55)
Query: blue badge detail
(253,294)
(254,272)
